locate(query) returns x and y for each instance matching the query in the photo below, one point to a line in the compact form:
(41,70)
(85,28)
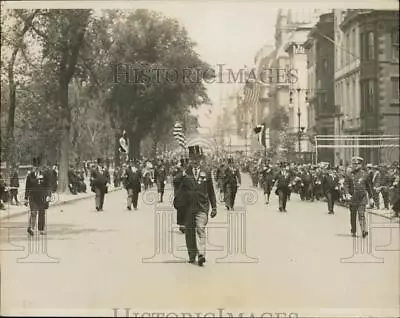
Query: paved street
(99,265)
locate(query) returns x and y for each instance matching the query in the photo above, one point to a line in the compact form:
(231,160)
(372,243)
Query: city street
(293,264)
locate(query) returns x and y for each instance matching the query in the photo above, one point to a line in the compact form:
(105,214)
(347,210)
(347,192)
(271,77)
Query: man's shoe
(135,209)
(42,233)
(353,234)
(201,260)
(30,231)
(365,233)
(182,229)
(129,208)
(330,212)
(280,209)
(97,209)
(191,261)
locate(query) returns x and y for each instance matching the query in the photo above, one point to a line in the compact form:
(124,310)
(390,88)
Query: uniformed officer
(132,182)
(38,195)
(160,177)
(199,188)
(358,188)
(99,180)
(232,180)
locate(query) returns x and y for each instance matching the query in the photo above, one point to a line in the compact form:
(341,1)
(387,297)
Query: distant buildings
(367,79)
(347,65)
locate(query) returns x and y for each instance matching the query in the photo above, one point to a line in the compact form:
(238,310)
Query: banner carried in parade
(263,135)
(179,135)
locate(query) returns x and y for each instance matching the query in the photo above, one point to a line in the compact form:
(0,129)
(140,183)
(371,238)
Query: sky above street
(227,32)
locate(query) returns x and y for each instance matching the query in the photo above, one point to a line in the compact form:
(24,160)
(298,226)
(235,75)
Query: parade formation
(198,179)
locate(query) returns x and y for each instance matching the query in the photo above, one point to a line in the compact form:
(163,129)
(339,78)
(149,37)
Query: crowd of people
(358,187)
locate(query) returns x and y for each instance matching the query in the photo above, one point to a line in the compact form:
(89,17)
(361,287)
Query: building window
(370,49)
(395,88)
(368,95)
(362,46)
(347,49)
(395,44)
(353,45)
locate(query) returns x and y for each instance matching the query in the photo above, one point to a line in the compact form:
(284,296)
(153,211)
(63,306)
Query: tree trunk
(117,158)
(65,139)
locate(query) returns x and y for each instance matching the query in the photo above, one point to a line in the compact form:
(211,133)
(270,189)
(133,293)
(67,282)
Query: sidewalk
(12,211)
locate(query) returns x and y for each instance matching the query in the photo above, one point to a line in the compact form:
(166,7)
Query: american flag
(179,134)
(251,94)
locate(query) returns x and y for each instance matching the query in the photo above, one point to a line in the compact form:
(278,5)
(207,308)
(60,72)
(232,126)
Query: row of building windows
(363,47)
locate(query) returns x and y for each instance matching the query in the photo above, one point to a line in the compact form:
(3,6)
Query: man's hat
(37,161)
(369,165)
(99,161)
(194,152)
(357,160)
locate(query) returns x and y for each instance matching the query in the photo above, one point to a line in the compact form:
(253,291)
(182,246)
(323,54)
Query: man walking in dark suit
(132,182)
(180,193)
(38,195)
(200,194)
(232,180)
(283,186)
(99,179)
(160,177)
(330,186)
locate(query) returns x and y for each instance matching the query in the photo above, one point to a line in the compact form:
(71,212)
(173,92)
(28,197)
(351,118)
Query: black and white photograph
(200,159)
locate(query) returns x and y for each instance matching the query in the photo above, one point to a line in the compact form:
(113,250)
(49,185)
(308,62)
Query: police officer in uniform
(38,195)
(358,188)
(99,180)
(200,195)
(232,180)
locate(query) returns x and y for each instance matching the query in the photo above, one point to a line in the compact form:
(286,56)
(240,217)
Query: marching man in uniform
(200,195)
(358,188)
(38,195)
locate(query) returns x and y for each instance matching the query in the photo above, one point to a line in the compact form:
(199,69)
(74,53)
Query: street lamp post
(298,115)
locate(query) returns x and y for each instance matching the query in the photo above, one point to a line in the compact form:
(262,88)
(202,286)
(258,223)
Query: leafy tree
(62,33)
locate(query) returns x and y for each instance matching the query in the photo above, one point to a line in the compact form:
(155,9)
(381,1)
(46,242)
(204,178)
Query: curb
(14,215)
(384,216)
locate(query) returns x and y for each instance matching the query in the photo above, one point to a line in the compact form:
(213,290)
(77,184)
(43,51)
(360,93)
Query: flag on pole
(179,134)
(123,143)
(263,135)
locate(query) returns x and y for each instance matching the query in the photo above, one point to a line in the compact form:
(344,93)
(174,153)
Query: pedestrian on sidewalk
(14,185)
(160,177)
(99,180)
(133,184)
(37,195)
